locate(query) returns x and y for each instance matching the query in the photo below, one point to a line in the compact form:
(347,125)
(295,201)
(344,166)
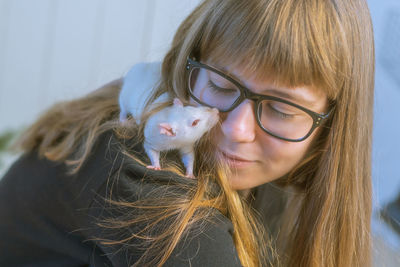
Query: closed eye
(281,114)
(219,90)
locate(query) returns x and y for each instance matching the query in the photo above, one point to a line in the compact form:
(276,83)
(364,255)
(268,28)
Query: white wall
(386,135)
(59,49)
(386,141)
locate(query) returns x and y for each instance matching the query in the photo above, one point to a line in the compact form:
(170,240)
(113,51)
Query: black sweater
(48,218)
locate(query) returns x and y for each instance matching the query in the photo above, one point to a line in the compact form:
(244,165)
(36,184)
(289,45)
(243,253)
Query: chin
(240,183)
(248,181)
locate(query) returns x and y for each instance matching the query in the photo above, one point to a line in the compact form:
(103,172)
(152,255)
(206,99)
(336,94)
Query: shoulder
(43,187)
(46,201)
(209,243)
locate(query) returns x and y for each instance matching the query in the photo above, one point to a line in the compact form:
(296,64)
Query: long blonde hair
(325,44)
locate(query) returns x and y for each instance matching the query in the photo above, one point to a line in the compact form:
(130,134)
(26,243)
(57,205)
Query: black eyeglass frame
(245,93)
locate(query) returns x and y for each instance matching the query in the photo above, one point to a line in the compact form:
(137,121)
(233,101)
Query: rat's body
(138,83)
(177,127)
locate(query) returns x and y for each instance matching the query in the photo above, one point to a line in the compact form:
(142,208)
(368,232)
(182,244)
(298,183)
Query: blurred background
(52,50)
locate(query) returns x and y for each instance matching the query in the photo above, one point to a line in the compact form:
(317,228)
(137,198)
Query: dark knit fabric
(49,218)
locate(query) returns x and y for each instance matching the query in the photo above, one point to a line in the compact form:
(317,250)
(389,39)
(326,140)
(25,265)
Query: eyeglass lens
(278,118)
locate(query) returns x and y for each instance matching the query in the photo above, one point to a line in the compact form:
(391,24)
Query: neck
(244,193)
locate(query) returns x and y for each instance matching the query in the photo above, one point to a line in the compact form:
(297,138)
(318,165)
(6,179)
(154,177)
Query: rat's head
(196,120)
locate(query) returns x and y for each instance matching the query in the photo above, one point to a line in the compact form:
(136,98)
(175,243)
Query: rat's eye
(195,122)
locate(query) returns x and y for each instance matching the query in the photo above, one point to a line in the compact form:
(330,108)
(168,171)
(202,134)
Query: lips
(236,161)
(233,157)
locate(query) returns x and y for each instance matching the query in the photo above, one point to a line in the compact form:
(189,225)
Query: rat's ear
(165,128)
(178,102)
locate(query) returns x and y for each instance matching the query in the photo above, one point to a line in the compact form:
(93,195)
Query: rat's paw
(153,167)
(191,176)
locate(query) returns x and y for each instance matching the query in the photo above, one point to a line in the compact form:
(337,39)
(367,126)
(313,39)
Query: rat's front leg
(188,159)
(154,156)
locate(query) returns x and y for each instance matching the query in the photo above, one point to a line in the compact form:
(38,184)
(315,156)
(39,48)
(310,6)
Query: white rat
(137,85)
(177,127)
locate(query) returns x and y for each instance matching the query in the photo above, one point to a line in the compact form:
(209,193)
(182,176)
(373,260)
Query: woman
(293,81)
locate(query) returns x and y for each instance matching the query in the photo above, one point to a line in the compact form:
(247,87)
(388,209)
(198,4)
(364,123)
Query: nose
(239,124)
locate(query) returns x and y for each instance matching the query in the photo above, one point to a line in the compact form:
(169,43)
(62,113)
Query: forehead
(265,83)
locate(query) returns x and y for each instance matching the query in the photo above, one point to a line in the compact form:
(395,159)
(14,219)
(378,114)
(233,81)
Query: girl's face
(255,156)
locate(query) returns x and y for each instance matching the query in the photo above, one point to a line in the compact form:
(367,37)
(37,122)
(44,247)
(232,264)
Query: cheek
(282,154)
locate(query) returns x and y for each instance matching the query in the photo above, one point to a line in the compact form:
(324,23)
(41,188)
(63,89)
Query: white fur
(137,85)
(180,118)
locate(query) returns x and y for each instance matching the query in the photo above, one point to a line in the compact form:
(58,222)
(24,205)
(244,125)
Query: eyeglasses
(276,116)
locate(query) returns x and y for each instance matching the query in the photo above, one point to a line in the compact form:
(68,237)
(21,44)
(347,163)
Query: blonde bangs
(288,42)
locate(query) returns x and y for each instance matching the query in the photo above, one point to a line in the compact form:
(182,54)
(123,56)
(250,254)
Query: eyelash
(219,90)
(280,114)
